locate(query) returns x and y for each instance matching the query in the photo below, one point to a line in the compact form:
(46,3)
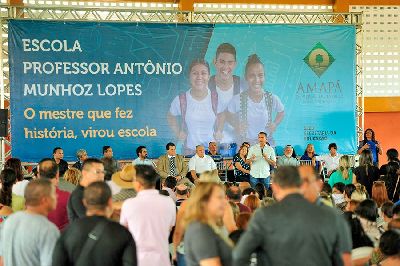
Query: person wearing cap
(288,158)
(200,163)
(114,244)
(210,176)
(124,181)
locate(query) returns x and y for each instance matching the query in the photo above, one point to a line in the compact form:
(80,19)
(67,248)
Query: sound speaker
(3,122)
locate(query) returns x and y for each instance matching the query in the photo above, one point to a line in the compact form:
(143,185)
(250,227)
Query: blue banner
(88,84)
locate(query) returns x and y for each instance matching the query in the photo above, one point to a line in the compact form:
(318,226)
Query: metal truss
(174,16)
(98,14)
(276,18)
(359,85)
(126,14)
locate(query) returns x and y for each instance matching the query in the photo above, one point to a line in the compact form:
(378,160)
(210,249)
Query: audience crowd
(279,210)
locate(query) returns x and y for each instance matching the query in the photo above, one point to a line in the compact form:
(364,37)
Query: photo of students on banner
(226,85)
(218,108)
(253,110)
(198,110)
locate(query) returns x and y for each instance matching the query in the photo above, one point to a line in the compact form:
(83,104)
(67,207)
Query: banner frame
(124,15)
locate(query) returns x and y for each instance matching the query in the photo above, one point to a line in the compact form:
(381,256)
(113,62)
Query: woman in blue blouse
(369,143)
(310,155)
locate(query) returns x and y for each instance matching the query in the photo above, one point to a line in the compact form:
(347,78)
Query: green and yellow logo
(319,59)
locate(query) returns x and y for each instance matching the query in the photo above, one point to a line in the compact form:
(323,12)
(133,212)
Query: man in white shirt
(149,217)
(330,161)
(262,156)
(141,152)
(200,163)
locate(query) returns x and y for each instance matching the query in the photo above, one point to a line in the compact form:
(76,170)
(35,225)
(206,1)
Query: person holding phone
(370,143)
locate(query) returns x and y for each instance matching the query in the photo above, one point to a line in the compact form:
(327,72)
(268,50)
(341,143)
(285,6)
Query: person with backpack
(94,239)
(198,110)
(226,84)
(252,111)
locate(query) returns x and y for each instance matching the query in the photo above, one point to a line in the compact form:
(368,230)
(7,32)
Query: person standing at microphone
(370,143)
(262,157)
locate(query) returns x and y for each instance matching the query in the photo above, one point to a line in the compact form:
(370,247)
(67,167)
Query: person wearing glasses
(288,158)
(92,171)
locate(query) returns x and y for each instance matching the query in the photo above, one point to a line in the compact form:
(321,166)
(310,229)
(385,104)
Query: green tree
(319,59)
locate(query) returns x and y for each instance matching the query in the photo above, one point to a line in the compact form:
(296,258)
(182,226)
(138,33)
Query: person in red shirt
(48,169)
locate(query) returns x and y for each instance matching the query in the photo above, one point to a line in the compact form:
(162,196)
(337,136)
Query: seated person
(338,195)
(81,155)
(169,185)
(310,157)
(288,158)
(110,164)
(173,164)
(142,159)
(58,155)
(182,193)
(201,163)
(330,161)
(213,151)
